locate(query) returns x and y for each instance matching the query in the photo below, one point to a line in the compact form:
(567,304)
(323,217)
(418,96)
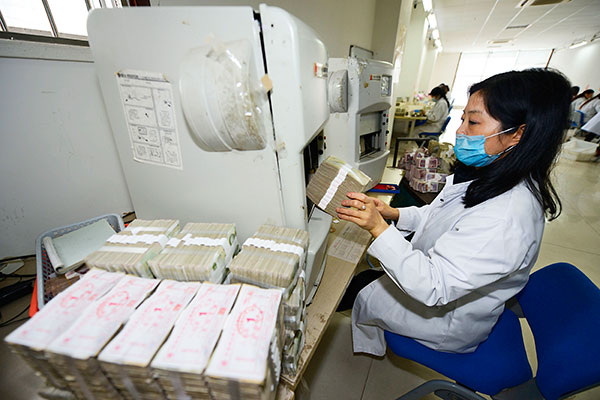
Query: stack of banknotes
(275,257)
(200,252)
(112,336)
(130,250)
(332,181)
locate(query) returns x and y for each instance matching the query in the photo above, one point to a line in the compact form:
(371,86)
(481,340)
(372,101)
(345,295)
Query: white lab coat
(447,287)
(593,125)
(436,117)
(590,109)
(575,104)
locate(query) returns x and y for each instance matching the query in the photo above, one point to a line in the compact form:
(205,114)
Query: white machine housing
(358,133)
(219,182)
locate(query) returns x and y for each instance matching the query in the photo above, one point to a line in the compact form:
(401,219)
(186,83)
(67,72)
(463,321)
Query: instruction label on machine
(147,99)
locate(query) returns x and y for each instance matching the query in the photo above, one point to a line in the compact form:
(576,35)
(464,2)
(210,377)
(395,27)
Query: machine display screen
(386,85)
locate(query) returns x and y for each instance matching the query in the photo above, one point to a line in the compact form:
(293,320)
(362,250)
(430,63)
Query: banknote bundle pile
(332,181)
(130,250)
(423,171)
(73,354)
(294,316)
(31,339)
(180,364)
(126,359)
(200,252)
(139,338)
(272,257)
(247,360)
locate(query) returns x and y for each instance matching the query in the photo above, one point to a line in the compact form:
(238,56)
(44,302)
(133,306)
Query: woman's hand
(364,213)
(385,210)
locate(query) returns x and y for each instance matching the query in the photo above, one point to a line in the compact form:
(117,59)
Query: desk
(411,121)
(408,139)
(423,198)
(411,126)
(336,277)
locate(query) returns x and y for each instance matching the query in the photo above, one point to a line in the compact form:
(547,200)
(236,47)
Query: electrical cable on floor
(13,275)
(31,277)
(14,319)
(17,258)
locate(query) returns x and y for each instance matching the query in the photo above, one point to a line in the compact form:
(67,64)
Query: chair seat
(499,362)
(562,307)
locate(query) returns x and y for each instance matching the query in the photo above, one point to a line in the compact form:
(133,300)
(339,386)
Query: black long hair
(582,94)
(438,91)
(538,98)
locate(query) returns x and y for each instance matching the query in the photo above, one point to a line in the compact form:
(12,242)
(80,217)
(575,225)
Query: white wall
(413,53)
(444,69)
(580,65)
(430,56)
(338,23)
(57,156)
(387,13)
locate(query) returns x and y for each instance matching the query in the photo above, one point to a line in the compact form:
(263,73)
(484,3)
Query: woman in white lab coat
(590,108)
(475,244)
(577,102)
(437,115)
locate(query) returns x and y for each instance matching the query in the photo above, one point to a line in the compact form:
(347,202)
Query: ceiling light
(427,5)
(432,21)
(578,44)
(435,34)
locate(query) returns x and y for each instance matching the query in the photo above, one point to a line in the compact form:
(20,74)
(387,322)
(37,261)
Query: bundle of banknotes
(130,250)
(31,339)
(112,336)
(332,181)
(74,353)
(200,252)
(126,359)
(275,257)
(272,257)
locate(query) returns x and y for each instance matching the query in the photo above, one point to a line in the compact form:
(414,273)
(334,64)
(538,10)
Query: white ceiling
(469,25)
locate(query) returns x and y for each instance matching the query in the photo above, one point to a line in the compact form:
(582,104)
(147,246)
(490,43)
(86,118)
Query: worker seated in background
(446,89)
(577,102)
(589,108)
(438,113)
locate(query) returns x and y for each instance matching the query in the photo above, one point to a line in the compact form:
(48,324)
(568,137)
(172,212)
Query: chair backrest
(581,117)
(445,124)
(562,307)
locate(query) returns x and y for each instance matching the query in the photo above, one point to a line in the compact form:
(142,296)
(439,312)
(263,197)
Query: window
(474,67)
(63,20)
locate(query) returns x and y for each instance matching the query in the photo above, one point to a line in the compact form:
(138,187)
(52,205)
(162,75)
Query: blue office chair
(433,135)
(562,307)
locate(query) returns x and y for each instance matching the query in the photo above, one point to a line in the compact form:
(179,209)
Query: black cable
(12,275)
(12,320)
(16,258)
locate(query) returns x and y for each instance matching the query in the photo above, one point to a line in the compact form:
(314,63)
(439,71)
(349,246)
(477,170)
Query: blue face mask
(470,150)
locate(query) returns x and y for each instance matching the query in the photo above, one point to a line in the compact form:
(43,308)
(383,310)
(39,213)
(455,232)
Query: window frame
(55,37)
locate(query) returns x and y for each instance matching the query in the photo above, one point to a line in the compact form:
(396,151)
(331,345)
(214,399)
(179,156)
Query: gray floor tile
(335,372)
(392,376)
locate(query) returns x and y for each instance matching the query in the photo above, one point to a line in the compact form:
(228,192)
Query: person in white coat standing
(475,244)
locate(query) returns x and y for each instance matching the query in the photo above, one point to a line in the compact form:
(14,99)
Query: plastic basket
(44,267)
